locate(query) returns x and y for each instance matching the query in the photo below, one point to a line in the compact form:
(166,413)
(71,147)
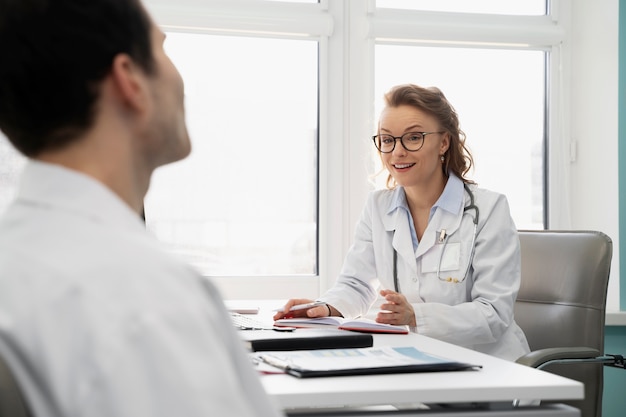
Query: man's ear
(129,82)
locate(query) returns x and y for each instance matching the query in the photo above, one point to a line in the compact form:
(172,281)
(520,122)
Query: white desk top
(498,380)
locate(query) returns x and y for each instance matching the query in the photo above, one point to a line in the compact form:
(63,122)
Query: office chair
(12,402)
(561,307)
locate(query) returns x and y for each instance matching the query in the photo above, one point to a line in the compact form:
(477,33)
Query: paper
(372,360)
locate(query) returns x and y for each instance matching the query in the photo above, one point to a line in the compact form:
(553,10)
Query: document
(360,361)
(358,325)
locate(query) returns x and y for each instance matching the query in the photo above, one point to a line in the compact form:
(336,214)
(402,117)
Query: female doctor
(445,252)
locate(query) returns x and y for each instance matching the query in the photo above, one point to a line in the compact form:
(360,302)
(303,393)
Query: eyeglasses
(411,141)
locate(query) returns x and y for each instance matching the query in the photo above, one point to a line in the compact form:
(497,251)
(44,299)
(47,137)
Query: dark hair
(431,100)
(54,55)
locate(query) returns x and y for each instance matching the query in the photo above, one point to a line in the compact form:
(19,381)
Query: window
(245,201)
(498,69)
(244,207)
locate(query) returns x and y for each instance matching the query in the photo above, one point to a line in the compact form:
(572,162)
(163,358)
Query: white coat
(99,321)
(476,312)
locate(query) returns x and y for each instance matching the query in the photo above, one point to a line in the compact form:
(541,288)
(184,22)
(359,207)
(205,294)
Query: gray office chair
(561,307)
(12,402)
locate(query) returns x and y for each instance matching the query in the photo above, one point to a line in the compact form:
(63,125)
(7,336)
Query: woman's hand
(396,309)
(319,311)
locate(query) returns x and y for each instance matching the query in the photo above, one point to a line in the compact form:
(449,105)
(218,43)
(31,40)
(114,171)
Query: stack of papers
(363,361)
(358,325)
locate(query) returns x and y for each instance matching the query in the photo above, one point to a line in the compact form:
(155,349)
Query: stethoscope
(443,239)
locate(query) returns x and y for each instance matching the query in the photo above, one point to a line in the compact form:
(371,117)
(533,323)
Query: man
(95,319)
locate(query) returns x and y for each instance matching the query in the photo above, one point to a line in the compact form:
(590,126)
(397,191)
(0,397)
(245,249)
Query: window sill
(615,318)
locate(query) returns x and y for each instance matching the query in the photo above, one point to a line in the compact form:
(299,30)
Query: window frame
(278,20)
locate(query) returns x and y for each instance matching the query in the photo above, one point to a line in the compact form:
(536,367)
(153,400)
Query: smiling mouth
(402,166)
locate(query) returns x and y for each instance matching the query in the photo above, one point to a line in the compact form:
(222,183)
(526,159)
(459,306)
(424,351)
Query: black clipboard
(304,339)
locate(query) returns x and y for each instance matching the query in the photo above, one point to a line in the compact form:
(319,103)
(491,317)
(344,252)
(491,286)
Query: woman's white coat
(476,312)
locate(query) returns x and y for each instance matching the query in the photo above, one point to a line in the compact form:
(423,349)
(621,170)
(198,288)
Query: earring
(443,159)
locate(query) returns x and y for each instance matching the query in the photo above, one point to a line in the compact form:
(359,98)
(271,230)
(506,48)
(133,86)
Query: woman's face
(417,168)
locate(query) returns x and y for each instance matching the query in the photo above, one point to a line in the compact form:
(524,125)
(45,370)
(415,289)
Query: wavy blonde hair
(431,100)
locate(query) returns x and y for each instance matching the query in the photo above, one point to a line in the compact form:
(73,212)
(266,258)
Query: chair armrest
(538,357)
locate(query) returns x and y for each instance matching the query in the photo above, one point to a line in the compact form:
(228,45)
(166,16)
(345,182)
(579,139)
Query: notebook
(358,325)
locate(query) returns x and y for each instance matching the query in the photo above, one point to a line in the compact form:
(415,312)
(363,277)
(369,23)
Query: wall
(614,401)
(593,124)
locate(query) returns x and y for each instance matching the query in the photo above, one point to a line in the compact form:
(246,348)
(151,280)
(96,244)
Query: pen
(303,306)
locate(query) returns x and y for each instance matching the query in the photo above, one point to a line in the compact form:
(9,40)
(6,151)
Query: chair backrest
(12,402)
(562,300)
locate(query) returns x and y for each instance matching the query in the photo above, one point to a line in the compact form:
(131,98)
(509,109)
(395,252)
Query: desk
(498,382)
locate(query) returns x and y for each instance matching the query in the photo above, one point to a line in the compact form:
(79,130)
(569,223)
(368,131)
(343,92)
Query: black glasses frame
(396,138)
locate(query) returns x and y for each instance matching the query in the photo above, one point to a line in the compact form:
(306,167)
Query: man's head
(56,55)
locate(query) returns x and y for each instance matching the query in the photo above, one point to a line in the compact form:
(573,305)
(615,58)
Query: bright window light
(245,201)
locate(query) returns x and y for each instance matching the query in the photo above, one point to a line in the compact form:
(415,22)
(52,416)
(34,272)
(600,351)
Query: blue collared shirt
(450,200)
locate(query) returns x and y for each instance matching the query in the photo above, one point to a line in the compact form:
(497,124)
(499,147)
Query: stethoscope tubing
(470,206)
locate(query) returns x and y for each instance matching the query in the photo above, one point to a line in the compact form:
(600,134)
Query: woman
(445,252)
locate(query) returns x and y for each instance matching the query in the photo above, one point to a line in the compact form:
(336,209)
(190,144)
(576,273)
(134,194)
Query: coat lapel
(442,220)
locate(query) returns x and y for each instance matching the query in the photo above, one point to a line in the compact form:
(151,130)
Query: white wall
(594,124)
